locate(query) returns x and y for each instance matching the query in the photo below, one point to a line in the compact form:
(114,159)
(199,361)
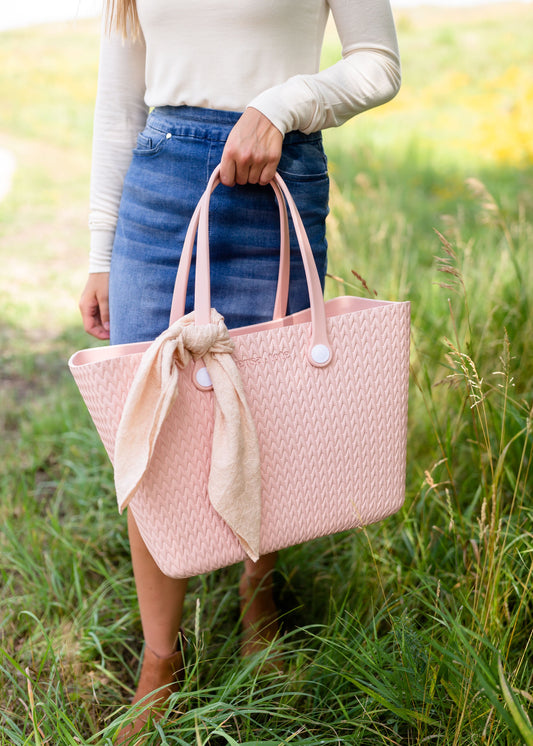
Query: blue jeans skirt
(171,165)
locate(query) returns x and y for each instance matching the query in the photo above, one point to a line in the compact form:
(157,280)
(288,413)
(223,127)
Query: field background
(415,631)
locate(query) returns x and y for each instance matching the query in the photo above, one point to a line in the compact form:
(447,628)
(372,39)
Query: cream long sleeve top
(230,55)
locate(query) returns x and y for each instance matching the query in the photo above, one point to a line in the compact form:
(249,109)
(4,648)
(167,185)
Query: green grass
(414,631)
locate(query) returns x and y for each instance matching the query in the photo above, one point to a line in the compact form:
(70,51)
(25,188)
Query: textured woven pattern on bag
(332,439)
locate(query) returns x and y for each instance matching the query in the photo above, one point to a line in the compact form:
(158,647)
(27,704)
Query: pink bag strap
(182,277)
(319,352)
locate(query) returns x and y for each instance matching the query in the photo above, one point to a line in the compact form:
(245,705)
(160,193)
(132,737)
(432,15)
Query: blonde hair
(121,15)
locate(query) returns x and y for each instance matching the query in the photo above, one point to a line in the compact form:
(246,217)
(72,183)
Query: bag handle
(282,293)
(319,351)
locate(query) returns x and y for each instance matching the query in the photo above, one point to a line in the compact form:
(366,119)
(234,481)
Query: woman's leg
(258,609)
(160,603)
(160,597)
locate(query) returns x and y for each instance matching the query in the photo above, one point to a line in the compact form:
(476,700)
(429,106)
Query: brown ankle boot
(160,677)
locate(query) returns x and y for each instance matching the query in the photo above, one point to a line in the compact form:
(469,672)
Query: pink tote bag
(327,388)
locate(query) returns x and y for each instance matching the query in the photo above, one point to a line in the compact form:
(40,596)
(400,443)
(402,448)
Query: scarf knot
(210,338)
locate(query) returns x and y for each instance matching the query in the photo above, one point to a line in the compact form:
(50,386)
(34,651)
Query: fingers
(242,165)
(264,171)
(92,321)
(252,151)
(228,169)
(94,305)
(268,172)
(238,169)
(103,305)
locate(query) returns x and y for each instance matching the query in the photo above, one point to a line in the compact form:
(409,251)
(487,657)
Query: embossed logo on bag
(261,359)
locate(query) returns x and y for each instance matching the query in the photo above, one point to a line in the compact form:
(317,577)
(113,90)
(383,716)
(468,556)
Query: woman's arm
(120,113)
(368,74)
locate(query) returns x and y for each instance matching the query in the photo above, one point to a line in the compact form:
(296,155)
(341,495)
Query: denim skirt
(171,165)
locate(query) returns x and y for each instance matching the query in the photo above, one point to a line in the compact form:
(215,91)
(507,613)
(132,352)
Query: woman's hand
(94,305)
(252,151)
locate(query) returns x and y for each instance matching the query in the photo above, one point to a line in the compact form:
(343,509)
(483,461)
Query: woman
(235,83)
